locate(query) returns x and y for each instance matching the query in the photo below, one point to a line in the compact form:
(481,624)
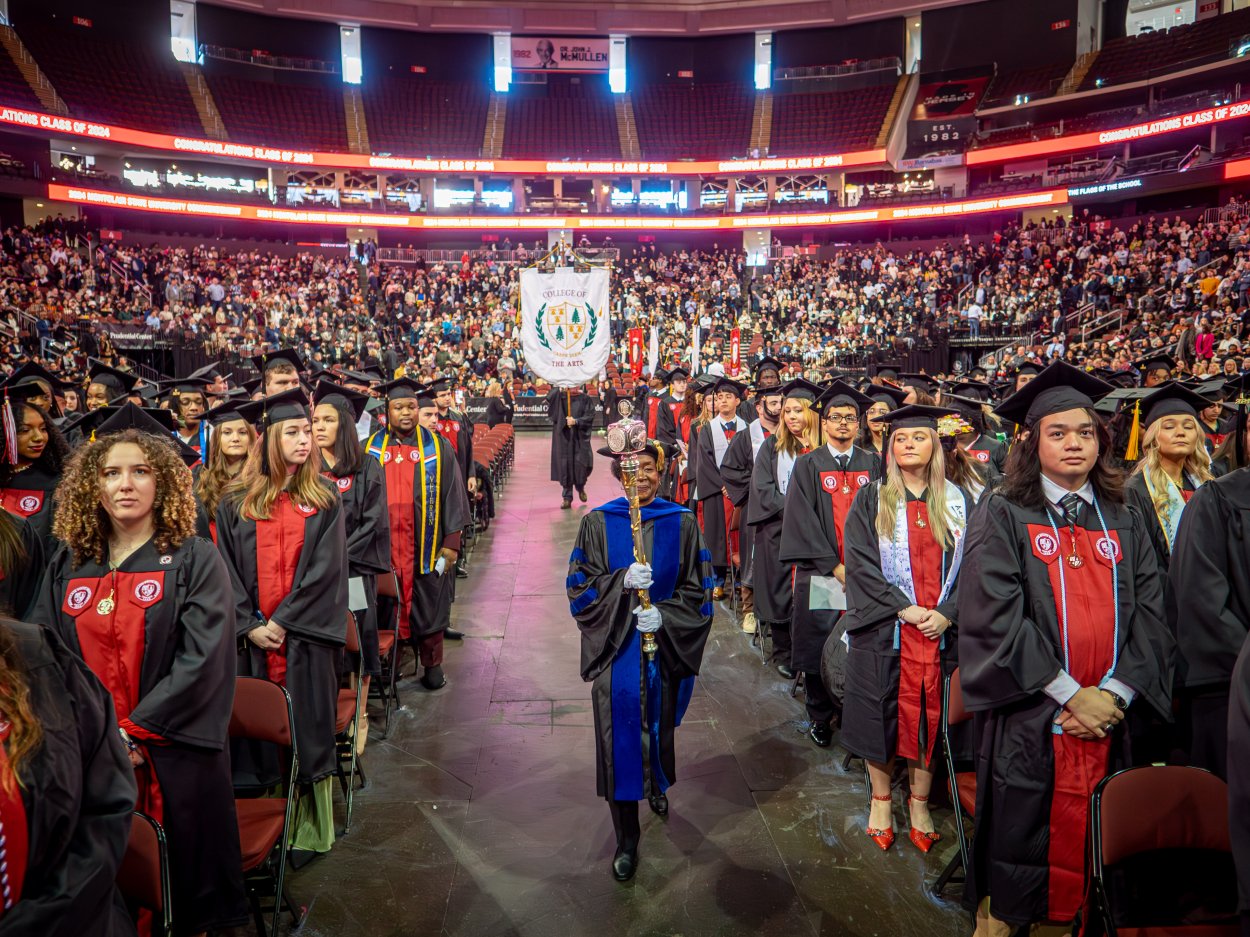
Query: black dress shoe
(451,634)
(624,864)
(659,804)
(821,734)
(566,504)
(433,678)
(581,493)
(462,573)
(785,671)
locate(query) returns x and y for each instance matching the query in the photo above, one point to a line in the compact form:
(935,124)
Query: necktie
(729,430)
(1070,504)
(840,462)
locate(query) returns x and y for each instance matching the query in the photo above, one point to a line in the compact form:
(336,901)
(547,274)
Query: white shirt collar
(1055,492)
(836,454)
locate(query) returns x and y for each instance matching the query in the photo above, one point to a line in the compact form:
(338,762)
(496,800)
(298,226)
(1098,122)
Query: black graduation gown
(29,495)
(658,415)
(1208,602)
(571,458)
(709,492)
(1010,648)
(173,604)
(314,614)
(368,528)
(79,793)
(457,429)
(811,542)
(989,452)
(1136,494)
(870,704)
(1239,774)
(17,586)
(735,472)
(603,610)
(770,578)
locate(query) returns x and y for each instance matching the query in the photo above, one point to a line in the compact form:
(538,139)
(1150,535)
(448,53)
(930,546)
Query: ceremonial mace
(627,438)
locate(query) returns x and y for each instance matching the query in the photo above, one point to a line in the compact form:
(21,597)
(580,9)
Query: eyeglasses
(839,418)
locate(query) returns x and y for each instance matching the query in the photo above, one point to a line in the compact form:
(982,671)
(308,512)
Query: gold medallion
(105,606)
(1075,561)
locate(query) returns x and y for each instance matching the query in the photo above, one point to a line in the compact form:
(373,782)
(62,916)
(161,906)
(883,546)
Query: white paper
(826,594)
(356,600)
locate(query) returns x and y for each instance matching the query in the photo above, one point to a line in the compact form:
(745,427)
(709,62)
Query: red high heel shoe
(921,840)
(883,838)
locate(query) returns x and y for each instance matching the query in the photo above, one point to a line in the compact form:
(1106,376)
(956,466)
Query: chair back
(955,712)
(262,711)
(388,586)
(143,877)
(352,645)
(1159,807)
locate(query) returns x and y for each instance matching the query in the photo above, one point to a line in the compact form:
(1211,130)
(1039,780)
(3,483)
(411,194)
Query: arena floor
(480,818)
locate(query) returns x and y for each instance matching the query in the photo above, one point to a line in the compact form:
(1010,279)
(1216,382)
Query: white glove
(440,564)
(638,576)
(649,619)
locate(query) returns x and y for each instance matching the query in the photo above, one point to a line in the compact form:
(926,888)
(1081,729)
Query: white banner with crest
(564,324)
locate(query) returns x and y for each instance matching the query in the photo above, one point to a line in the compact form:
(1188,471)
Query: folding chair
(350,701)
(143,878)
(1188,887)
(963,784)
(262,712)
(389,649)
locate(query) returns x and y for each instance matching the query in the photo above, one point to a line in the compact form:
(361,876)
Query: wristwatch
(1120,702)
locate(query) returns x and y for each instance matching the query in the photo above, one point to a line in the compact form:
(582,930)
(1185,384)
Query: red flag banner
(735,351)
(635,352)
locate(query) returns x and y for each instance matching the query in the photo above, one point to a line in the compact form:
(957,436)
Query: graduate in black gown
(66,797)
(230,440)
(736,470)
(903,549)
(362,489)
(602,582)
(884,398)
(1061,630)
(797,434)
(457,429)
(714,507)
(572,415)
(1239,779)
(822,487)
(428,508)
(280,530)
(141,599)
(1208,605)
(28,485)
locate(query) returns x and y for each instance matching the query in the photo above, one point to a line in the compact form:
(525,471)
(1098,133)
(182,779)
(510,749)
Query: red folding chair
(349,703)
(262,712)
(963,784)
(143,877)
(389,649)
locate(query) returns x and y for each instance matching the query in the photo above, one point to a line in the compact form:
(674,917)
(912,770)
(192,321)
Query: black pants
(625,822)
(780,630)
(568,492)
(820,703)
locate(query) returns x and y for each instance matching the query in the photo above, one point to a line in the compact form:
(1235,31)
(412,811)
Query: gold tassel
(1133,452)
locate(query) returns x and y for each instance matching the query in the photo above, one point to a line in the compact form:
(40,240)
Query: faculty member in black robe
(140,598)
(602,582)
(67,813)
(572,415)
(1061,629)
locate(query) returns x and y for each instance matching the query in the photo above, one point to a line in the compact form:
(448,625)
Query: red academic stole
(919,664)
(450,429)
(1078,765)
(279,542)
(653,415)
(22,502)
(398,465)
(841,487)
(980,455)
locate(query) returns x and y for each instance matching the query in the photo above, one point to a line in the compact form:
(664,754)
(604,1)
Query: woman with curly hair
(29,476)
(230,441)
(138,597)
(280,528)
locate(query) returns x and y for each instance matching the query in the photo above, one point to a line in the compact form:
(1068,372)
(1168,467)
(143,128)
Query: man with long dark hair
(1060,630)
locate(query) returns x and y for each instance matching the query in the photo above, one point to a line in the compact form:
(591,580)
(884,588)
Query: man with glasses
(822,487)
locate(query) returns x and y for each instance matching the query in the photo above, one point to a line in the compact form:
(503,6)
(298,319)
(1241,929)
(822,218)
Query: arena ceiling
(592,17)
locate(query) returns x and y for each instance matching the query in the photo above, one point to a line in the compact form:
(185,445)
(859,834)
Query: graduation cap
(184,385)
(970,390)
(892,397)
(886,370)
(1029,367)
(351,400)
(226,412)
(289,405)
(918,381)
(678,374)
(34,375)
(269,359)
(703,383)
(978,373)
(403,388)
(1155,361)
(841,394)
(660,375)
(1118,397)
(760,391)
(800,389)
(1057,388)
(359,377)
(153,421)
(916,415)
(117,383)
(439,385)
(765,364)
(729,386)
(374,372)
(1172,399)
(209,373)
(1116,378)
(253,386)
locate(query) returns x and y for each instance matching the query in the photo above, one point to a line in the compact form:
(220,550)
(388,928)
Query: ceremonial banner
(564,324)
(735,346)
(653,350)
(545,53)
(635,352)
(694,352)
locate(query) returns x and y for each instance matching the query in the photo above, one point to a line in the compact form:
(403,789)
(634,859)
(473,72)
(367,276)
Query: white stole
(757,437)
(719,442)
(785,468)
(896,555)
